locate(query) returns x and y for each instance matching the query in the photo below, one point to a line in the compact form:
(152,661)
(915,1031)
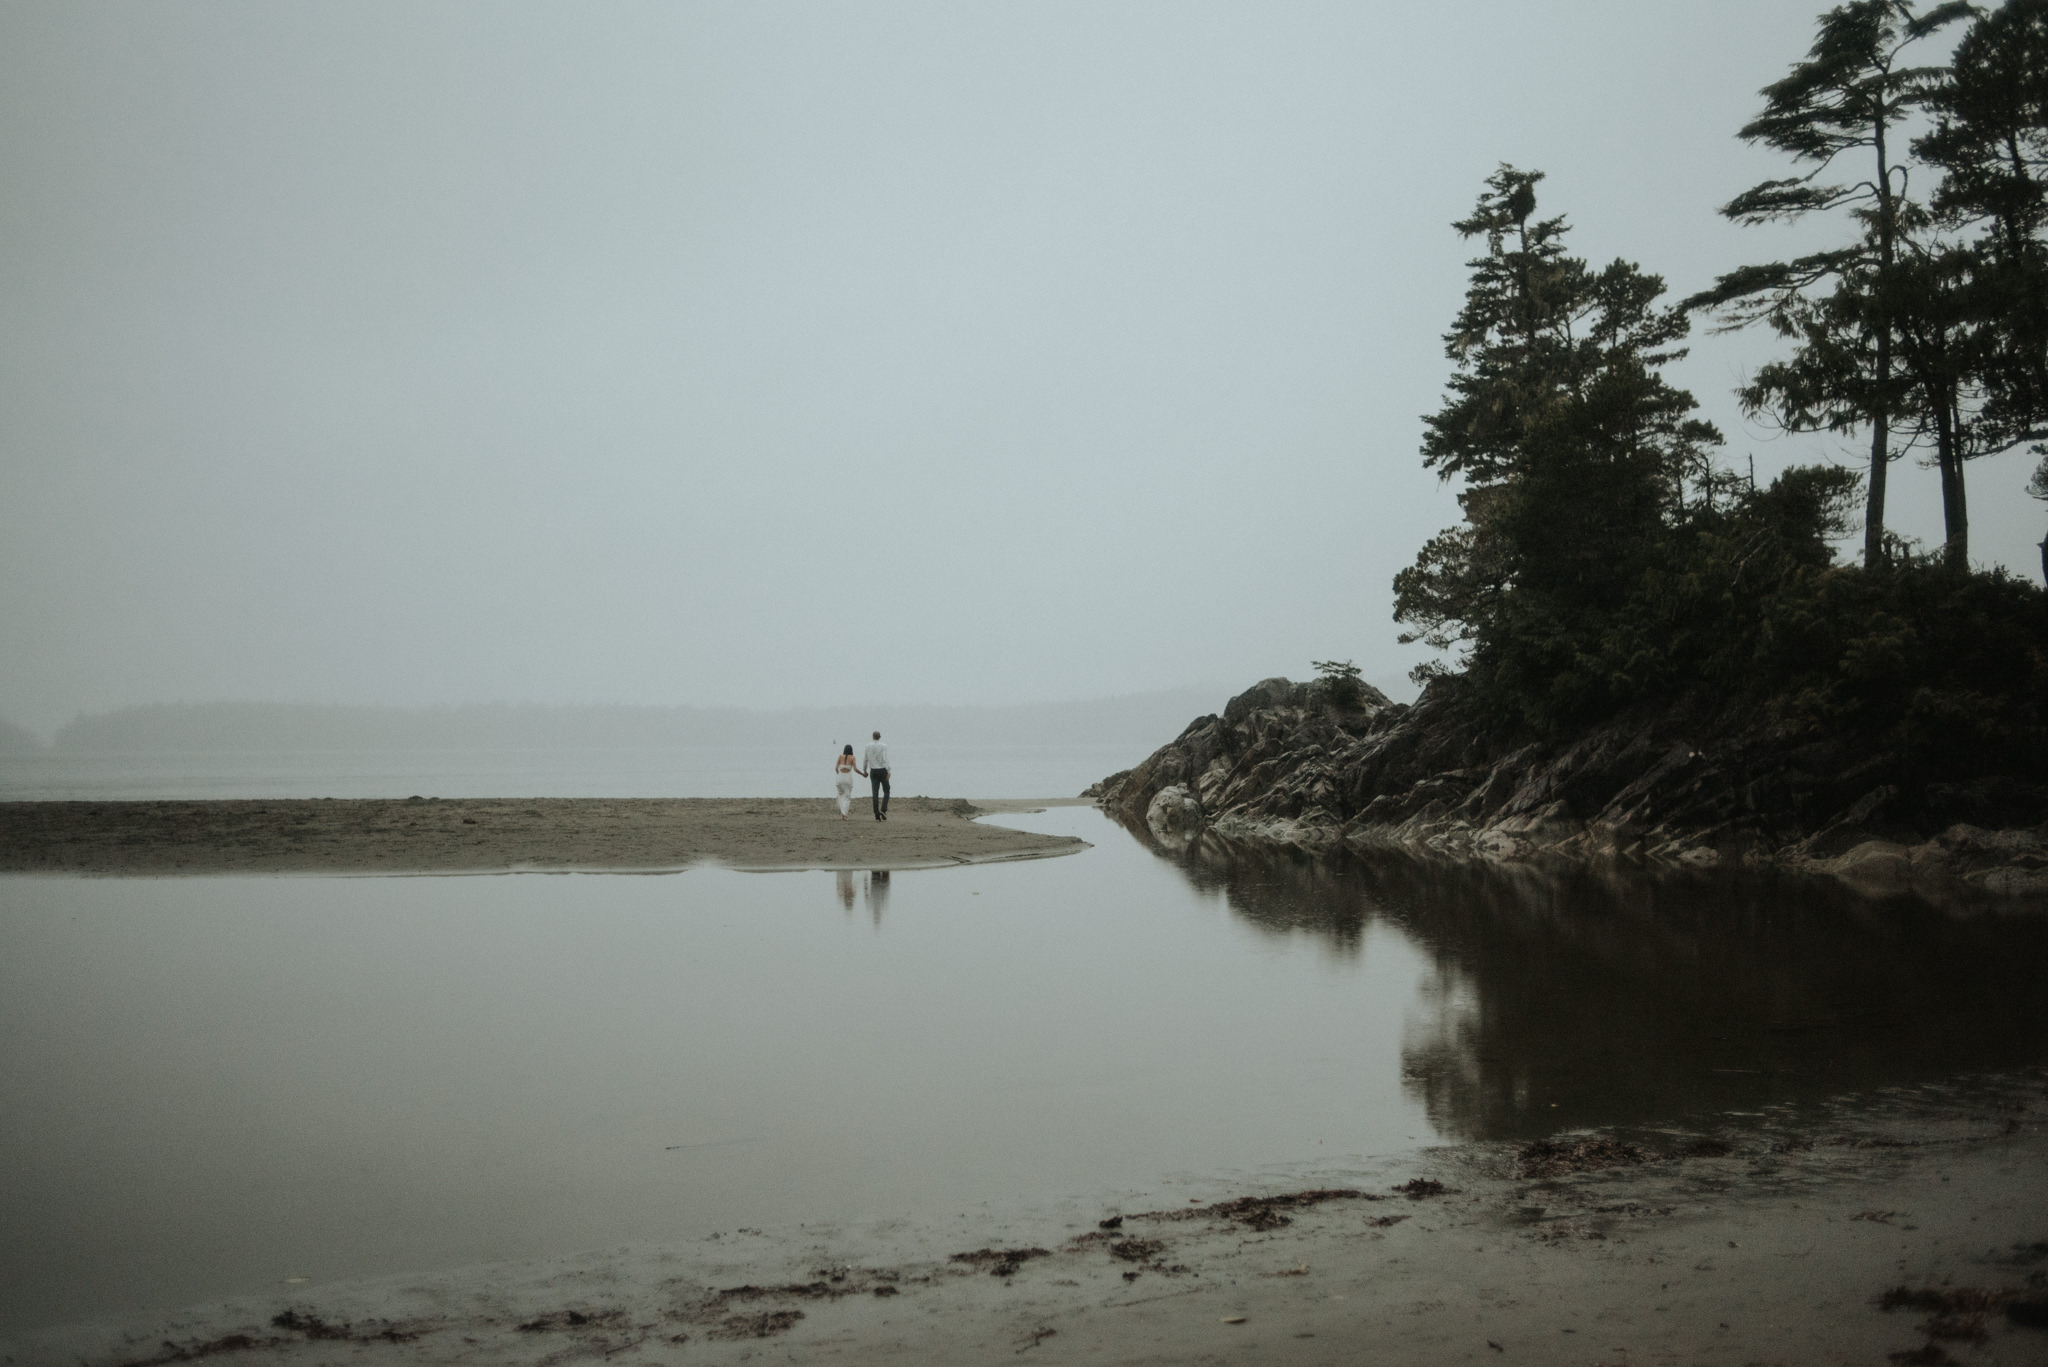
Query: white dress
(843,780)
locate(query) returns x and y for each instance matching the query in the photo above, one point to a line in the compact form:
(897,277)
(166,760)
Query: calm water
(210,1085)
(1033,771)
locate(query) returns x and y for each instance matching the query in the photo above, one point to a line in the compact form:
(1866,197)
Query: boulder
(1173,812)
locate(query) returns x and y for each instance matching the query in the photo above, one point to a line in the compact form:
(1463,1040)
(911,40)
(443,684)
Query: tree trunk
(1959,523)
(1955,511)
(1880,464)
(1880,413)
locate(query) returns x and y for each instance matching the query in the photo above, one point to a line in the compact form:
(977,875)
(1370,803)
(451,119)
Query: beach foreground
(506,835)
(1911,1227)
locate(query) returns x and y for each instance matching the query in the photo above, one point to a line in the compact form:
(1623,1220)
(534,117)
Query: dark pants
(878,788)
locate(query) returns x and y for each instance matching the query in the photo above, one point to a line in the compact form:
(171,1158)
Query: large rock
(1691,783)
(1249,761)
(1174,814)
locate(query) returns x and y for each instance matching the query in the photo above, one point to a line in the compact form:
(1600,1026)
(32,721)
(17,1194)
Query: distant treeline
(1139,720)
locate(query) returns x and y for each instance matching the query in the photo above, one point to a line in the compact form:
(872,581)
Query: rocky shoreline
(1691,784)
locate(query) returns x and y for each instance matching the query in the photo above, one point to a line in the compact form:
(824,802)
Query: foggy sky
(784,355)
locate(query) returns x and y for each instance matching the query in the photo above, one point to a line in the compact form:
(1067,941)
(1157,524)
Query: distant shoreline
(1137,720)
(351,836)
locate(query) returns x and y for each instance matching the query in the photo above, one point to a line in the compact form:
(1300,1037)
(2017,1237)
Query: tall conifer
(1990,142)
(1574,451)
(1847,99)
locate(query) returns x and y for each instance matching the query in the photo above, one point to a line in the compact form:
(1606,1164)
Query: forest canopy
(1606,559)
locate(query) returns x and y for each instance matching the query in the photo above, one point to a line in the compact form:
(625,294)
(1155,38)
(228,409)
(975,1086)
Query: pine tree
(1849,97)
(1991,144)
(1574,452)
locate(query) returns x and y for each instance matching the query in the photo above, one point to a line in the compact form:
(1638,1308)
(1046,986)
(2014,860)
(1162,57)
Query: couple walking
(875,771)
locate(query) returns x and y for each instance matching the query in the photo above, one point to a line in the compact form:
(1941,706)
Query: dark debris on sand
(193,1352)
(715,1312)
(304,1323)
(1944,1300)
(762,1325)
(1956,1314)
(1563,1157)
(1000,1262)
(1257,1212)
(313,1327)
(1137,1250)
(571,1319)
(831,1284)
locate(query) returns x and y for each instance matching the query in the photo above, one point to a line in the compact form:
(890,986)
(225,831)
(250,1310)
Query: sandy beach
(506,835)
(1908,1228)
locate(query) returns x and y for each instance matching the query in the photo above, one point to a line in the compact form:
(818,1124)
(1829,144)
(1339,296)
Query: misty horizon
(279,725)
(264,724)
(769,356)
(191,751)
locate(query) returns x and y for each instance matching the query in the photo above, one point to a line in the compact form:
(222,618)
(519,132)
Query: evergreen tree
(1575,453)
(1847,98)
(1991,144)
(1990,140)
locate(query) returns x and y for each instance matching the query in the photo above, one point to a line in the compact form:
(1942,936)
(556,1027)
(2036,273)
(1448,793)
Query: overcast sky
(770,355)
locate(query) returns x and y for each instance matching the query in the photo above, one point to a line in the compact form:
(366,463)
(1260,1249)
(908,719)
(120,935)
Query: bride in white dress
(844,767)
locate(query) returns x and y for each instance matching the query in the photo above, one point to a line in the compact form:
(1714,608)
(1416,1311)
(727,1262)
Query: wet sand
(506,835)
(1917,1224)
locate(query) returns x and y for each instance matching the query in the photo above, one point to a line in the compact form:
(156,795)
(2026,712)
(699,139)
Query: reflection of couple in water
(876,772)
(876,890)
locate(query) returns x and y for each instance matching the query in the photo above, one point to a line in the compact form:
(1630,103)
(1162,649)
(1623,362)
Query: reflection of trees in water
(1569,997)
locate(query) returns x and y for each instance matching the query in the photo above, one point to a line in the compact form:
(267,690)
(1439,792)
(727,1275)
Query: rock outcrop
(1688,784)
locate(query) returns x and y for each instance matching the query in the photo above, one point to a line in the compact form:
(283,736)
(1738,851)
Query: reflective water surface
(1582,997)
(208,1086)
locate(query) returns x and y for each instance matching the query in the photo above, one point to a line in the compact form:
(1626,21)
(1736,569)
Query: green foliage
(1548,349)
(1951,665)
(1577,456)
(1689,614)
(1990,144)
(1342,681)
(1836,111)
(1991,136)
(1744,600)
(1604,561)
(1852,87)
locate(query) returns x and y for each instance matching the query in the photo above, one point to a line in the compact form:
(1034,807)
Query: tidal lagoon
(236,1087)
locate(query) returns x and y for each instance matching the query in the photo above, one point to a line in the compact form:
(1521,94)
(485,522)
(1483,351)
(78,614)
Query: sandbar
(421,835)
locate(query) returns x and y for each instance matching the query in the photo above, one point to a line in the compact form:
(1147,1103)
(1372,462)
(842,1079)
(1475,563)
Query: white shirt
(877,757)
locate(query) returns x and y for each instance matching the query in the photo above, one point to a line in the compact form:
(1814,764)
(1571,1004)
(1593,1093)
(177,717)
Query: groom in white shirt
(877,765)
